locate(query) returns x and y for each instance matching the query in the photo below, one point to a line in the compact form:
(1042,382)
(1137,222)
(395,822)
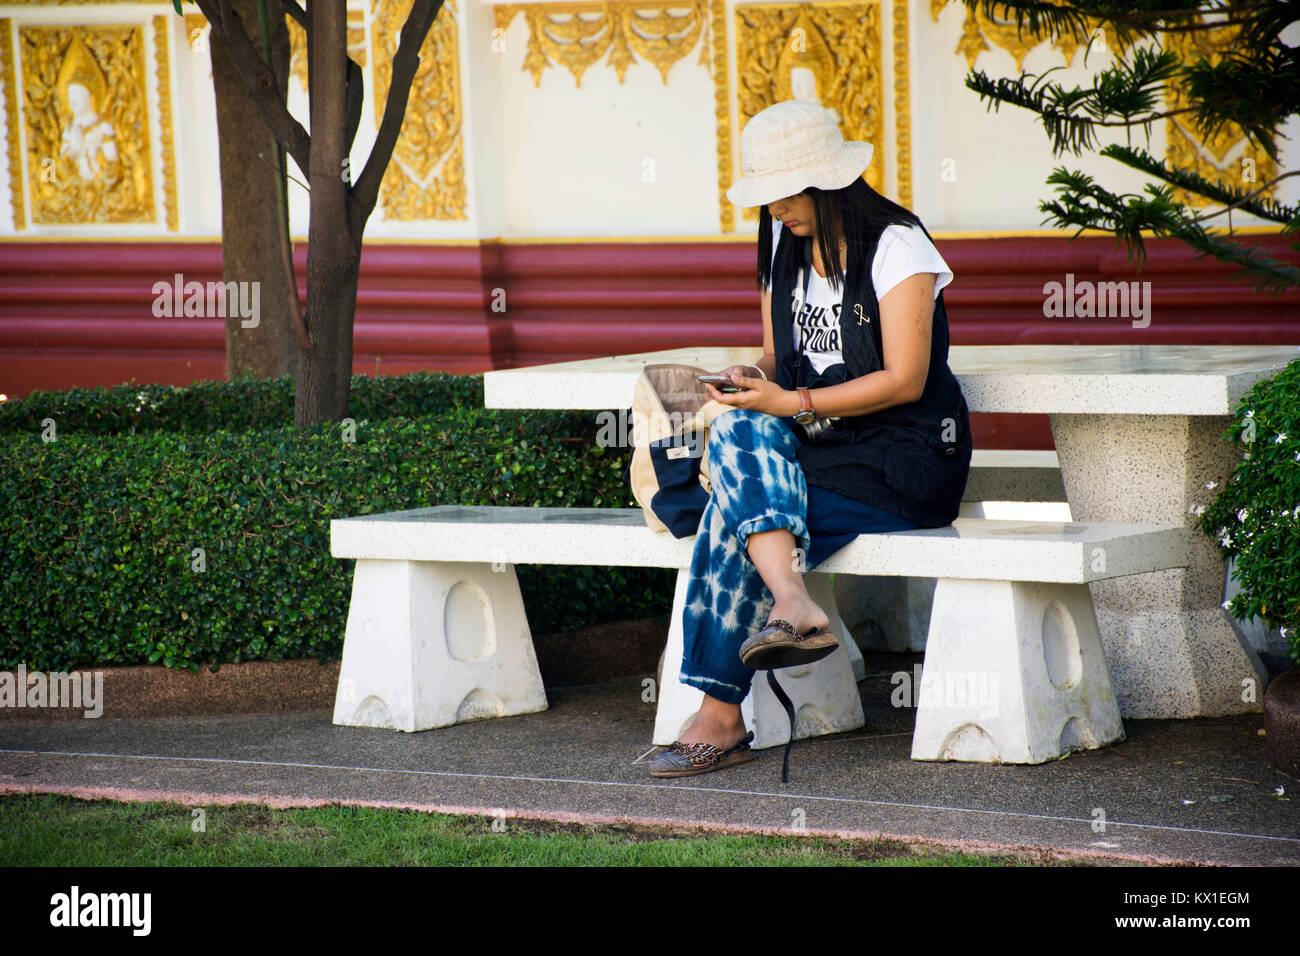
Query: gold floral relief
(298,45)
(426,177)
(17,197)
(87,124)
(1227,156)
(978,30)
(161,43)
(722,106)
(829,53)
(577,35)
(902,105)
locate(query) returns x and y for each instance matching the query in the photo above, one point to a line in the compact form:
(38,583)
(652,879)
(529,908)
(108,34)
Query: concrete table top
(1065,379)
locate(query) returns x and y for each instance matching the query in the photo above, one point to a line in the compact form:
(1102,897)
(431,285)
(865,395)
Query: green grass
(46,830)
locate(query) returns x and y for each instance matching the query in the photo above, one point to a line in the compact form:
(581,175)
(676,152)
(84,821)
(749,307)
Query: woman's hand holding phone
(755,392)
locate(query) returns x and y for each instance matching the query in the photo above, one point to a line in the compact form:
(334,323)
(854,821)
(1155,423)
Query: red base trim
(80,313)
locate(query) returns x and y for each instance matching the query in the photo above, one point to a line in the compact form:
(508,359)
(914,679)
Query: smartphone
(722,383)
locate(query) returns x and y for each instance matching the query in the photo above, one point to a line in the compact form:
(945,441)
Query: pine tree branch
(1069,117)
(1248,206)
(1082,203)
(1192,181)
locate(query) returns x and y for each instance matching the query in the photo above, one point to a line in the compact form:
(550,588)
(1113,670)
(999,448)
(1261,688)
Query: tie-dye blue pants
(758,485)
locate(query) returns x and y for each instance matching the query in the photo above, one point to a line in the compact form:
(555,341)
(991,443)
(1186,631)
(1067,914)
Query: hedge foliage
(98,531)
(1256,516)
(234,406)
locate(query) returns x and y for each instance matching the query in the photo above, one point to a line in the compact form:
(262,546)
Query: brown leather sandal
(778,645)
(685,760)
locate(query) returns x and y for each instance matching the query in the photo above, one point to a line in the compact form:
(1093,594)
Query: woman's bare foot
(799,610)
(717,723)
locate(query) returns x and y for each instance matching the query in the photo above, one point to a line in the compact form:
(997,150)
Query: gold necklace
(816,252)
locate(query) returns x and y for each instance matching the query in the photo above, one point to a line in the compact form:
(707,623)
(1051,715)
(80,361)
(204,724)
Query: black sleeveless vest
(910,460)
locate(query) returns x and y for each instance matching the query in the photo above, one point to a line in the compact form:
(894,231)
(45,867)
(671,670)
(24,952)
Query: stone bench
(437,634)
(893,614)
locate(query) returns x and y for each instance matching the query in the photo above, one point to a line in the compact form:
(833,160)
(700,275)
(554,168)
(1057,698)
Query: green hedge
(97,531)
(235,406)
(1255,517)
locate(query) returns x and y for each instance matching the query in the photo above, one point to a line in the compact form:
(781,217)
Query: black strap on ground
(789,712)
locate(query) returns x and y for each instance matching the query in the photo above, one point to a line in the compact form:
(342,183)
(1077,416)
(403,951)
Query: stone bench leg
(1014,673)
(430,644)
(1173,649)
(824,694)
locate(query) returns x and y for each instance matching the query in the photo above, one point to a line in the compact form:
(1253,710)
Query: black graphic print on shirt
(818,327)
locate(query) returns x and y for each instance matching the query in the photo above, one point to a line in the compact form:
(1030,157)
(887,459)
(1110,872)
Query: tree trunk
(333,253)
(250,232)
(324,376)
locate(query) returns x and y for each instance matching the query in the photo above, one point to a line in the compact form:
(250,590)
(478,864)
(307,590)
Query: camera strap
(805,277)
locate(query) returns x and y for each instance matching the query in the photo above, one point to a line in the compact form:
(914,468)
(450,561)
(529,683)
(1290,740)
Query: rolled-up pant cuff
(772,521)
(727,688)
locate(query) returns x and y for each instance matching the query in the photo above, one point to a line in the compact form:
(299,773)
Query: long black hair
(857,213)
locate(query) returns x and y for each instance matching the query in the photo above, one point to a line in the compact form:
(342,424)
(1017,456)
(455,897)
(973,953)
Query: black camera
(817,429)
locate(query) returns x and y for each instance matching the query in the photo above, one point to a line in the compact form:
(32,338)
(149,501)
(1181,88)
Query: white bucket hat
(793,145)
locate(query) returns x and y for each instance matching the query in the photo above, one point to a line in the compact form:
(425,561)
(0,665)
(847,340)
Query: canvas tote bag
(671,415)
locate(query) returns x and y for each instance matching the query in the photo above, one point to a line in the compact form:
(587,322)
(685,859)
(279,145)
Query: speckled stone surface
(1014,673)
(981,548)
(1173,650)
(1106,379)
(433,643)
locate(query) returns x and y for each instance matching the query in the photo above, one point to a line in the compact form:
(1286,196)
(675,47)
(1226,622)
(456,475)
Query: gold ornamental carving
(426,177)
(902,105)
(1227,156)
(979,30)
(829,53)
(722,106)
(577,35)
(87,124)
(162,58)
(17,196)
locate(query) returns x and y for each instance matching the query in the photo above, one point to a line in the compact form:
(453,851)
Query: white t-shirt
(902,251)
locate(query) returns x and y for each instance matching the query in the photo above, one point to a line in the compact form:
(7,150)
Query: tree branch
(1249,197)
(260,81)
(365,193)
(1194,182)
(298,14)
(356,99)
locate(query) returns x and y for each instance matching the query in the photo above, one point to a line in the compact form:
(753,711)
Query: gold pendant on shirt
(857,308)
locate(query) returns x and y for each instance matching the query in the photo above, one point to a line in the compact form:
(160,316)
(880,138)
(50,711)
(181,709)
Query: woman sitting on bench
(850,423)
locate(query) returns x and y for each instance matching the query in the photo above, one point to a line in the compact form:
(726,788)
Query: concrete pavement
(1193,790)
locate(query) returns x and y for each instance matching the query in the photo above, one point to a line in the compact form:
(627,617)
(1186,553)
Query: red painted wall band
(80,313)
